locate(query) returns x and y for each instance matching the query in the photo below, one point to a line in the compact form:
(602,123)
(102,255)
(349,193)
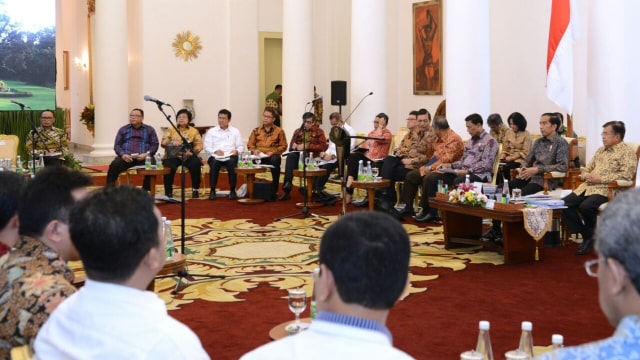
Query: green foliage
(19,123)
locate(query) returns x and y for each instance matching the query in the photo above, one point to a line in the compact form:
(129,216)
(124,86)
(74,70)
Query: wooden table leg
(250,200)
(152,184)
(371,194)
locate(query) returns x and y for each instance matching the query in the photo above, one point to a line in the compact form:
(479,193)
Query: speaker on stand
(339,93)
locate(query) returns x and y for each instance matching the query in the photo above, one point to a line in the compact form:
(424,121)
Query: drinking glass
(309,163)
(297,302)
(375,172)
(258,160)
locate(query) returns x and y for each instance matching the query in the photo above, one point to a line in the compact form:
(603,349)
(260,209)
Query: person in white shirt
(364,267)
(118,234)
(223,143)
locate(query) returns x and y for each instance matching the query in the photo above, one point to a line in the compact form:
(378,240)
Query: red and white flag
(560,55)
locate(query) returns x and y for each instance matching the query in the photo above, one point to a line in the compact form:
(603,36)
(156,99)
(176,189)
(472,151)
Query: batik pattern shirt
(314,139)
(447,149)
(479,155)
(130,140)
(273,140)
(548,154)
(500,134)
(378,149)
(171,135)
(615,163)
(622,345)
(415,145)
(516,143)
(34,280)
(52,140)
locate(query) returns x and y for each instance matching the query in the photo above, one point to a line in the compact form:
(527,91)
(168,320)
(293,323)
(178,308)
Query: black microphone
(354,109)
(20,104)
(158,102)
(316,99)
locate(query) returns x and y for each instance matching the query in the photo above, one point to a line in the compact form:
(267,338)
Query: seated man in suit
(225,142)
(112,316)
(549,153)
(309,138)
(132,144)
(477,161)
(48,139)
(364,266)
(34,277)
(618,275)
(615,160)
(269,141)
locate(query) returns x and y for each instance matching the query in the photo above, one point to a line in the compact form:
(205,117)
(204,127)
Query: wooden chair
(496,165)
(568,176)
(22,352)
(619,185)
(9,147)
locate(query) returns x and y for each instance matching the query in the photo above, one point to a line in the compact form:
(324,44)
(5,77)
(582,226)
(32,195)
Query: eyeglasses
(591,267)
(606,134)
(135,116)
(47,118)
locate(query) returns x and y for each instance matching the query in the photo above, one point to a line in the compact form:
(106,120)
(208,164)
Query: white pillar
(110,73)
(613,73)
(368,63)
(467,61)
(297,62)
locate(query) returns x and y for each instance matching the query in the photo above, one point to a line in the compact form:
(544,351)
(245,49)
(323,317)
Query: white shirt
(326,340)
(226,140)
(109,321)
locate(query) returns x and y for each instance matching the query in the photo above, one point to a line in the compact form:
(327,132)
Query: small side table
(310,175)
(250,174)
(152,175)
(371,187)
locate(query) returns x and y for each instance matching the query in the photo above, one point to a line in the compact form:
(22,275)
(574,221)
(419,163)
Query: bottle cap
(527,326)
(557,339)
(484,325)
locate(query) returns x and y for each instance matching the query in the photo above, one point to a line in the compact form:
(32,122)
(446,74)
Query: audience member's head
(617,128)
(11,186)
(118,233)
(385,118)
(618,249)
(474,125)
(44,207)
(270,116)
(554,119)
(364,261)
(518,121)
(495,122)
(335,119)
(424,119)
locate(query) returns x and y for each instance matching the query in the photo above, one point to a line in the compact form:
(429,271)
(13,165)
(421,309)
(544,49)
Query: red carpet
(555,294)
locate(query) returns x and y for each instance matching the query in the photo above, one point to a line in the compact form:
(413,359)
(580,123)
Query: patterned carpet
(282,255)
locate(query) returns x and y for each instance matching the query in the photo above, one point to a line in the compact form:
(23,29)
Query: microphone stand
(305,194)
(184,273)
(34,131)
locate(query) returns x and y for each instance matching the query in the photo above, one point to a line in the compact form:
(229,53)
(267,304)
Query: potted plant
(88,118)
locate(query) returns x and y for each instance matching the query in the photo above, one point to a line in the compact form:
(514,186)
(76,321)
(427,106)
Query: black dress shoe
(195,194)
(585,247)
(408,212)
(232,195)
(169,195)
(492,235)
(287,187)
(212,195)
(285,196)
(427,218)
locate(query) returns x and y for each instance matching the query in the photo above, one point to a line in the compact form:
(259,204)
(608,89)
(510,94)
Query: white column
(297,62)
(110,74)
(467,61)
(613,73)
(368,63)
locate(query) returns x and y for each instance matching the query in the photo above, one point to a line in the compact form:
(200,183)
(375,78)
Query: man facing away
(269,142)
(34,277)
(48,139)
(133,142)
(11,186)
(223,143)
(615,160)
(331,154)
(364,266)
(618,271)
(113,316)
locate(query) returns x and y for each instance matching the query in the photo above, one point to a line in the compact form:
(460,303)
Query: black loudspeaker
(338,92)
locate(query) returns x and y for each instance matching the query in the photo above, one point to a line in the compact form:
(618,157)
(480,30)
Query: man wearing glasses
(133,142)
(615,160)
(48,139)
(618,272)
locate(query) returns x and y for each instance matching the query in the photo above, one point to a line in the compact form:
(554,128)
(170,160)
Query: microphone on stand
(314,100)
(158,102)
(22,106)
(354,109)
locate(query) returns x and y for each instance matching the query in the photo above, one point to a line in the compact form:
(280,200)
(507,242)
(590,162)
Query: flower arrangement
(466,194)
(87,116)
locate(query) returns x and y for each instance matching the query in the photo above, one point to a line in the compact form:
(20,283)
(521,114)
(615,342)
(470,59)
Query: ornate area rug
(283,255)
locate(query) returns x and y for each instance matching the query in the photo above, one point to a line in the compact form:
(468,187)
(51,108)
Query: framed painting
(427,47)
